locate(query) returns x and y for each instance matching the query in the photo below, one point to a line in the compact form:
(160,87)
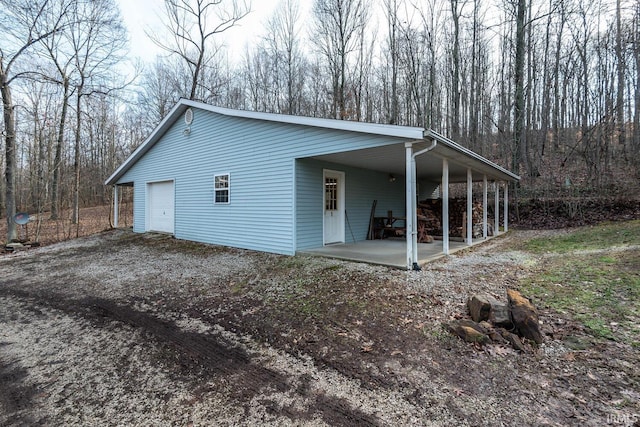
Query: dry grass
(44,230)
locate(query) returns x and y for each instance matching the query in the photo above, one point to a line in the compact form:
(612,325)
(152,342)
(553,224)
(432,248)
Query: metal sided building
(288,184)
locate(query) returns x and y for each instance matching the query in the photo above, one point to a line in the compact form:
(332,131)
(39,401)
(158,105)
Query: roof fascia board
(430,133)
(413,133)
(146,145)
(370,128)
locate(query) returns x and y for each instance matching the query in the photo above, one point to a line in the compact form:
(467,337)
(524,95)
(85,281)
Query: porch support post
(445,206)
(469,207)
(484,207)
(115,206)
(506,207)
(410,197)
(414,215)
(496,225)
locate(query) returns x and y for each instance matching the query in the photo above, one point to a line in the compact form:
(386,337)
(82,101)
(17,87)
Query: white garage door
(161,206)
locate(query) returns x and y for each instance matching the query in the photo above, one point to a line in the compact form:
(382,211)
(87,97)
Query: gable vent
(188,116)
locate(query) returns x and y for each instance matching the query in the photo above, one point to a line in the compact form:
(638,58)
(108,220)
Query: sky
(141,15)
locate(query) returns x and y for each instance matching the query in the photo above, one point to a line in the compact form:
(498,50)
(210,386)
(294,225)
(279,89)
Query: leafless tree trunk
(391,10)
(635,37)
(454,123)
(285,55)
(191,24)
(10,146)
(519,86)
(337,26)
(55,47)
(95,37)
(622,133)
(557,91)
(57,163)
(25,27)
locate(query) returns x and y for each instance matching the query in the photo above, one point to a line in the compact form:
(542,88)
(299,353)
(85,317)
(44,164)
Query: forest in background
(548,88)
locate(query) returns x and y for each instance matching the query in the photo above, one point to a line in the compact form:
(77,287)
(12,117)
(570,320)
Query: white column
(445,207)
(115,206)
(506,207)
(469,207)
(496,225)
(409,202)
(484,207)
(414,214)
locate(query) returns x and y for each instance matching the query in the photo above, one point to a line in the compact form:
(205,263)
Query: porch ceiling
(391,159)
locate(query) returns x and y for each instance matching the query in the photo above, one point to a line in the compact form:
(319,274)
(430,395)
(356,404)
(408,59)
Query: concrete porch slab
(388,252)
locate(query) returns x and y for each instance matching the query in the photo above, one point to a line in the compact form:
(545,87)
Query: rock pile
(493,321)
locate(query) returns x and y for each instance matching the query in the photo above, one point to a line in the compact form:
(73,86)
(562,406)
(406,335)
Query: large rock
(512,339)
(524,315)
(485,307)
(479,307)
(496,337)
(468,331)
(500,314)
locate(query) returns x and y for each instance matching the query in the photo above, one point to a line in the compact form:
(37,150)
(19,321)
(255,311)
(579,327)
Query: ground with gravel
(127,329)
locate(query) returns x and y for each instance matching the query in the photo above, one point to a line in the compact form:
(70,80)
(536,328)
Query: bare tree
(192,26)
(24,24)
(284,45)
(258,72)
(391,9)
(620,59)
(519,85)
(635,43)
(456,13)
(41,104)
(336,29)
(62,57)
(95,36)
(159,90)
(425,44)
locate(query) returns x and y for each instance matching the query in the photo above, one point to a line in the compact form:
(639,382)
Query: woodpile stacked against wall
(430,217)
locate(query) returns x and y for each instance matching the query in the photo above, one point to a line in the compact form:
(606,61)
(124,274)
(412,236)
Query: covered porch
(430,162)
(388,252)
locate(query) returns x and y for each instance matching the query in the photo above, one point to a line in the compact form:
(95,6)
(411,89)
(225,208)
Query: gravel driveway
(128,329)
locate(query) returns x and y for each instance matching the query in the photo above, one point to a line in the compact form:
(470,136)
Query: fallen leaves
(498,350)
(366,347)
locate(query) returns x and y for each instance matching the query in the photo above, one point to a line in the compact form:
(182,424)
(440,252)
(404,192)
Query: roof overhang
(406,132)
(389,158)
(392,159)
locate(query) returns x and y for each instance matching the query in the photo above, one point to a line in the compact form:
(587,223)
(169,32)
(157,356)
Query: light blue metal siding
(258,156)
(362,187)
(139,194)
(309,209)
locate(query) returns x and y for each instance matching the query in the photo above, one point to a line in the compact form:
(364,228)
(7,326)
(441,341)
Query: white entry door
(160,198)
(334,211)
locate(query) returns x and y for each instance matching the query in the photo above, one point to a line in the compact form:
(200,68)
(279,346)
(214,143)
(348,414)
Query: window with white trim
(221,187)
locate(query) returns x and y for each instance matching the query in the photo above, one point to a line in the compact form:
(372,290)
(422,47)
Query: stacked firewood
(429,214)
(430,211)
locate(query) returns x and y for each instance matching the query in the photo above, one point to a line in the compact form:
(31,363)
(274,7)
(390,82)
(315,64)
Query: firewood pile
(430,213)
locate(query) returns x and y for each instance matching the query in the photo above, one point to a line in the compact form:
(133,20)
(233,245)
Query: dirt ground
(127,329)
